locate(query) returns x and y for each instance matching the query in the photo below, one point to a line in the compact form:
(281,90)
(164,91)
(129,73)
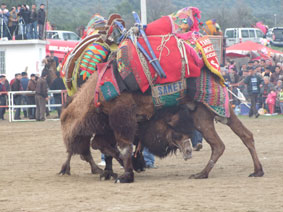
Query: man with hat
(253,82)
(41,96)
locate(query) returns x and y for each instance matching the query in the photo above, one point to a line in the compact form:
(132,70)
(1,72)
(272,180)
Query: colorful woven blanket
(166,49)
(106,83)
(212,94)
(94,54)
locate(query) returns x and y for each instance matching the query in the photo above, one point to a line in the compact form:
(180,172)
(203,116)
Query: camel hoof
(198,176)
(65,170)
(106,175)
(128,177)
(257,174)
(96,170)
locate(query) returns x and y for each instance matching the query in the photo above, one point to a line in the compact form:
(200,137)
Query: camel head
(181,141)
(50,69)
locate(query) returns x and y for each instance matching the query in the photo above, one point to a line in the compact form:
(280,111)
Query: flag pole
(143,12)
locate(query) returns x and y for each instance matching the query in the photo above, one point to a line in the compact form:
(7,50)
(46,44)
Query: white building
(17,56)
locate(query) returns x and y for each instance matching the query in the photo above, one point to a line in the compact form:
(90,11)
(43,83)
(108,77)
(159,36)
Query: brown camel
(83,124)
(123,114)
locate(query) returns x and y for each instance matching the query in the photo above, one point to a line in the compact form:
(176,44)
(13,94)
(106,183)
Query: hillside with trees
(71,14)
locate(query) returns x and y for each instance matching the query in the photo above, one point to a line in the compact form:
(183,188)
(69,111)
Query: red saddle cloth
(161,26)
(170,60)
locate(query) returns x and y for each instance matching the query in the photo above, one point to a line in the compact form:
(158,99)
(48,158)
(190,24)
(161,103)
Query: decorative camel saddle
(160,57)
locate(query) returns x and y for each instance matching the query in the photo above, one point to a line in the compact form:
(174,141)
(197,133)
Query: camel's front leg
(204,122)
(126,155)
(122,119)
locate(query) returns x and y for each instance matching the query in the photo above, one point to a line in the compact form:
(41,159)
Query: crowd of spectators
(260,81)
(35,83)
(22,22)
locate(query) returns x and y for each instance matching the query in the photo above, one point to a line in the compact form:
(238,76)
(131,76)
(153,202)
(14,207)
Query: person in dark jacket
(31,97)
(33,22)
(25,14)
(41,21)
(58,84)
(253,81)
(2,97)
(17,86)
(41,96)
(24,82)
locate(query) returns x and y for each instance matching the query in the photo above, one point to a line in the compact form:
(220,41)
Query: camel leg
(204,122)
(108,171)
(83,149)
(126,155)
(107,145)
(122,120)
(247,137)
(94,168)
(66,166)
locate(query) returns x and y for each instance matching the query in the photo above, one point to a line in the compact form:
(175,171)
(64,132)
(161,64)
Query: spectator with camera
(13,22)
(4,20)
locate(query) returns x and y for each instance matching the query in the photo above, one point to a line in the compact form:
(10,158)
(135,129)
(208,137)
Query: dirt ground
(31,155)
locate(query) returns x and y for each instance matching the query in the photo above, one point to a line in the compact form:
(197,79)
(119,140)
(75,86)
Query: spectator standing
(262,65)
(253,82)
(25,14)
(6,82)
(280,96)
(268,64)
(266,72)
(265,89)
(31,97)
(250,65)
(13,22)
(233,78)
(58,84)
(41,96)
(17,86)
(33,22)
(271,101)
(24,82)
(277,75)
(2,97)
(41,21)
(4,21)
(52,56)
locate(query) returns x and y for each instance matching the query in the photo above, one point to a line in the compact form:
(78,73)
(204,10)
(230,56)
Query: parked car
(238,35)
(62,35)
(275,36)
(61,42)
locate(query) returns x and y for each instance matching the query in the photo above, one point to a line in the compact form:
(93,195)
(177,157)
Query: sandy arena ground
(32,153)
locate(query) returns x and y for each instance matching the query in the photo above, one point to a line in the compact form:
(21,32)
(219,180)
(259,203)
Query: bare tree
(242,15)
(156,9)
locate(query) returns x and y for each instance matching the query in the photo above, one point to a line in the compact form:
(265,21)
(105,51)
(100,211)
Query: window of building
(2,62)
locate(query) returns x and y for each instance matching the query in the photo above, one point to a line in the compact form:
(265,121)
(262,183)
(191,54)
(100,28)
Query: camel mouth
(187,156)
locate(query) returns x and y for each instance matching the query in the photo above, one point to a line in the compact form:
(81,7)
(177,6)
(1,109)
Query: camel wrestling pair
(118,97)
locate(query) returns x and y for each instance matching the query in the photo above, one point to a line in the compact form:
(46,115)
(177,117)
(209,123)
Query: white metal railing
(11,106)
